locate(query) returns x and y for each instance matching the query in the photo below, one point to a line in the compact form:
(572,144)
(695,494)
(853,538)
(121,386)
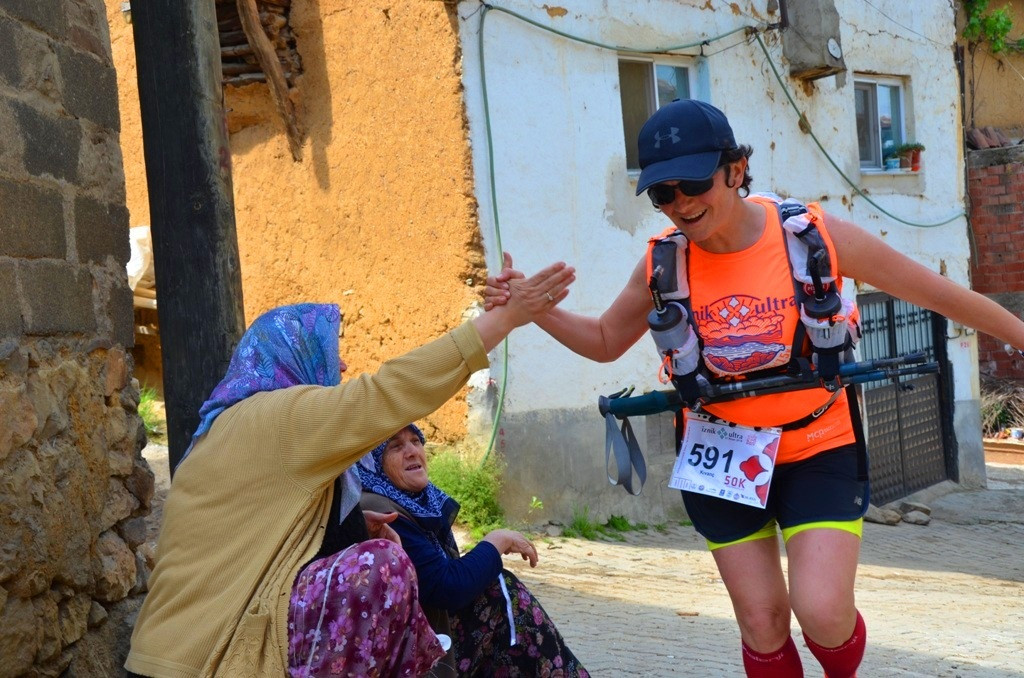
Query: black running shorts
(822,488)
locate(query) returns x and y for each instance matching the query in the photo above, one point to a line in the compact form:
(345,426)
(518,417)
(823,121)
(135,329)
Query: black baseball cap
(682,141)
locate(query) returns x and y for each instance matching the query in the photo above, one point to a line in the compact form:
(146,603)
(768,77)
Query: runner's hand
(542,291)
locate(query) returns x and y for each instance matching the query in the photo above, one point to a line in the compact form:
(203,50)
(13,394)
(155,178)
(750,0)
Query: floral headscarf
(286,346)
(431,506)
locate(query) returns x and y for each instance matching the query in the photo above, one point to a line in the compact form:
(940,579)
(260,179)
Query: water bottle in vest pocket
(666,264)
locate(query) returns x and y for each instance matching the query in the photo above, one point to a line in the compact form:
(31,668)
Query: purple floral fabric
(357,613)
(480,637)
(286,346)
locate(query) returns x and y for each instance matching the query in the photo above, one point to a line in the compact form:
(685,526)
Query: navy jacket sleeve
(447,583)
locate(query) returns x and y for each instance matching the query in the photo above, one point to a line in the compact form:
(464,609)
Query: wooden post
(188,171)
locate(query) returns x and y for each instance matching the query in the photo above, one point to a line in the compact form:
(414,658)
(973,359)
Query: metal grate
(905,419)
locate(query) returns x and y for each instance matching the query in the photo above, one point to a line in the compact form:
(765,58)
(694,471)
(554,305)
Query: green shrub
(473,485)
(583,526)
(149,410)
(622,524)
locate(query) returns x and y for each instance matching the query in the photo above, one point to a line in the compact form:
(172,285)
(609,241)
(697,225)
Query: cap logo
(659,137)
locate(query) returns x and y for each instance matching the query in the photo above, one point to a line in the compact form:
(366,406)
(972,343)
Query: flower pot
(915,161)
(905,161)
(892,163)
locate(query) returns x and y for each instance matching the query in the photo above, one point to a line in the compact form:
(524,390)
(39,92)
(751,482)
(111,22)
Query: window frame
(870,83)
(651,91)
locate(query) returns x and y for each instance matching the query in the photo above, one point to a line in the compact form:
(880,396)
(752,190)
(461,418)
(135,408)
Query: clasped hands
(538,294)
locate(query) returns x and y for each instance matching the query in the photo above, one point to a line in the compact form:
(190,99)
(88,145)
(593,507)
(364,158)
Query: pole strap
(629,459)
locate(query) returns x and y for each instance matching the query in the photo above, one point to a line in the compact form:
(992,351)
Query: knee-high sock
(782,663)
(842,661)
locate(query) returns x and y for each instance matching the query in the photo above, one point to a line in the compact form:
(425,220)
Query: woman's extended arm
(602,339)
(866,258)
(322,431)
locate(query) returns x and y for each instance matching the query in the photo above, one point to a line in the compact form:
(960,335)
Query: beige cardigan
(248,508)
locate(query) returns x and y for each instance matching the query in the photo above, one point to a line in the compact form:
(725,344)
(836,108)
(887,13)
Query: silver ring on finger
(548,295)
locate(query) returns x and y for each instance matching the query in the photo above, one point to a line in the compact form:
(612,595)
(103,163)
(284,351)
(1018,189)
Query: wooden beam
(244,79)
(230,51)
(268,60)
(188,174)
(237,69)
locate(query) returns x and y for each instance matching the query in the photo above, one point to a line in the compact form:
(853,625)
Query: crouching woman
(496,625)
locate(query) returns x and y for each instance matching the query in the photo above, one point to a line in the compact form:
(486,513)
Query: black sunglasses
(664,194)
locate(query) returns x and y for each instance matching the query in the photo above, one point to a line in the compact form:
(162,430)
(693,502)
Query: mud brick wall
(74,488)
(995,184)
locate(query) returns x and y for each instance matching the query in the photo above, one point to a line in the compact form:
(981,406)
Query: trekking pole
(622,446)
(624,404)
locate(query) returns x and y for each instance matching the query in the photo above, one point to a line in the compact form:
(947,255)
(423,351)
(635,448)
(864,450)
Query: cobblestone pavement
(942,600)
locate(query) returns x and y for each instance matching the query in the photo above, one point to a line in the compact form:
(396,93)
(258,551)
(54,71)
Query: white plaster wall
(563,193)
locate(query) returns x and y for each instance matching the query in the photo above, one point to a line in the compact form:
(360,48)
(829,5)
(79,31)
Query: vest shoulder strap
(804,239)
(812,257)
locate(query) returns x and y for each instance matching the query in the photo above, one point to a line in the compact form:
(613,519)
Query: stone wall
(995,183)
(74,488)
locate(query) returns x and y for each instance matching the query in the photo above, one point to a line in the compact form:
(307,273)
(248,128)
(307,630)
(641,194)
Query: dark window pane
(636,90)
(867,124)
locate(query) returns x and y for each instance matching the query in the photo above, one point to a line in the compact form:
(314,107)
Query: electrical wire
(617,48)
(1008,62)
(904,27)
(806,126)
(497,229)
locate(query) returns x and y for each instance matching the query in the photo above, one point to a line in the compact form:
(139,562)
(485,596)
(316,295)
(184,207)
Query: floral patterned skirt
(357,613)
(481,639)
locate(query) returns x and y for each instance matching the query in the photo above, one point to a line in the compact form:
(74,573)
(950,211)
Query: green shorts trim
(854,527)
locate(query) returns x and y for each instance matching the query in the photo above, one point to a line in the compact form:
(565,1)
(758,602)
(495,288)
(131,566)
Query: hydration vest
(829,326)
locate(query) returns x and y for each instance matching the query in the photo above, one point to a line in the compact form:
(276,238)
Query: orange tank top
(746,314)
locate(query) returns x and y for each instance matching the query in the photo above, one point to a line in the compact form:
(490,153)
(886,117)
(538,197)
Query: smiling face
(405,462)
(706,217)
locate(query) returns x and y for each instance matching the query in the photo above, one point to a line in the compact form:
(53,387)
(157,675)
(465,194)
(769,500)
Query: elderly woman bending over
(470,598)
(255,575)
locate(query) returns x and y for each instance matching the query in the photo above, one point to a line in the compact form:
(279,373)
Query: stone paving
(942,600)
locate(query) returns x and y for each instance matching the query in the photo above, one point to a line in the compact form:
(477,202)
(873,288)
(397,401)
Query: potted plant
(914,149)
(892,162)
(903,152)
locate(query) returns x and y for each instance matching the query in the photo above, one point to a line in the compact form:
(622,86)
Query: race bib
(726,460)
